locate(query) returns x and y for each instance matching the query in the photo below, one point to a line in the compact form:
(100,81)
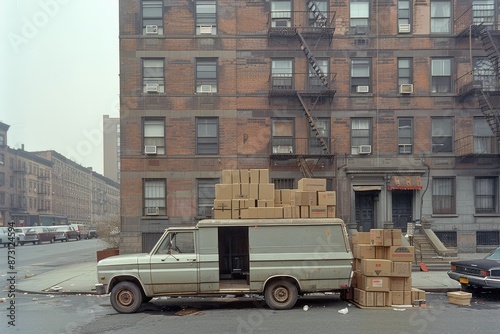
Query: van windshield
(176,243)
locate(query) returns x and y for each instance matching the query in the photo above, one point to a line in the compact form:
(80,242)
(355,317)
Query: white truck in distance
(278,258)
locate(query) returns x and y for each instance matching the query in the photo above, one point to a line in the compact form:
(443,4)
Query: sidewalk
(81,278)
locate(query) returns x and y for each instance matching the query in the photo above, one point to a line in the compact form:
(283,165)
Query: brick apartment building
(392,101)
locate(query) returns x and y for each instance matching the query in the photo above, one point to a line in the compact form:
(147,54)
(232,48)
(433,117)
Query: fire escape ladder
(321,19)
(490,46)
(312,61)
(312,124)
(304,167)
(491,113)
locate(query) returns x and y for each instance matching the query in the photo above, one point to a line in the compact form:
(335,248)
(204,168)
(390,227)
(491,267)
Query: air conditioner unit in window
(152,211)
(362,89)
(152,29)
(365,149)
(404,28)
(152,88)
(282,23)
(205,88)
(406,89)
(150,149)
(361,30)
(206,30)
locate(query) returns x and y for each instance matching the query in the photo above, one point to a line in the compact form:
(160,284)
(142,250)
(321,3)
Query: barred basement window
(487,238)
(449,239)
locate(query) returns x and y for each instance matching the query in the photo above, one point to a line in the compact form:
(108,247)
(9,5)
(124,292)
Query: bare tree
(108,229)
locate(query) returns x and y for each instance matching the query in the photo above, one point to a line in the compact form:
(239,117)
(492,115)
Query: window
(360,134)
(281,74)
(360,16)
(483,11)
(315,83)
(207,136)
(282,136)
(484,74)
(153,79)
(484,141)
(487,238)
(177,243)
(206,196)
(2,198)
(405,135)
(485,194)
(443,195)
(404,16)
(440,16)
(448,238)
(318,13)
(2,159)
(206,75)
(281,14)
(154,197)
(441,75)
(154,136)
(152,17)
(404,71)
(442,134)
(283,183)
(2,140)
(360,75)
(2,178)
(206,17)
(323,127)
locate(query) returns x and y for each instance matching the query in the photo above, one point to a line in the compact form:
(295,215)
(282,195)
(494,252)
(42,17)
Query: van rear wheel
(126,297)
(281,295)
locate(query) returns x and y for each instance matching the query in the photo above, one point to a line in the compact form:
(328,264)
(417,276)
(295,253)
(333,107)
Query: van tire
(126,297)
(281,295)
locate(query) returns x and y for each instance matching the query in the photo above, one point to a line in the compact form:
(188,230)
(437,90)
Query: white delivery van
(278,258)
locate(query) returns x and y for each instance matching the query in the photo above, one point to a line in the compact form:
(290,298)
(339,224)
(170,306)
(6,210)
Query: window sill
(448,215)
(479,215)
(159,217)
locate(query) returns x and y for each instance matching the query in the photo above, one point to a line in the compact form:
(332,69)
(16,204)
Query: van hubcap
(125,297)
(281,294)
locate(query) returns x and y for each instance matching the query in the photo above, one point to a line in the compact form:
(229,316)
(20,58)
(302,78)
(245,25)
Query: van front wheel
(281,295)
(126,297)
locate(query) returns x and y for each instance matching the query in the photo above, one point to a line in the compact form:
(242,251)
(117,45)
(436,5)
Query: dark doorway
(233,253)
(365,210)
(401,208)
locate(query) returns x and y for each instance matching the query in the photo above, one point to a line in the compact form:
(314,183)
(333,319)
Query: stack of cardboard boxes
(247,194)
(382,270)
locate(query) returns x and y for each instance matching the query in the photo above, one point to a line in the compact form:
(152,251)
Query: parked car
(65,233)
(92,234)
(20,232)
(38,234)
(477,274)
(82,229)
(4,236)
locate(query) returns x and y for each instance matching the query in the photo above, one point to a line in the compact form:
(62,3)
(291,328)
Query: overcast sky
(60,67)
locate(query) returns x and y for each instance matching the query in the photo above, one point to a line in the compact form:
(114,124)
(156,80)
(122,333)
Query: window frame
(161,198)
(283,144)
(439,75)
(146,80)
(323,6)
(207,145)
(156,20)
(355,19)
(405,78)
(158,141)
(443,140)
(314,143)
(281,15)
(487,192)
(206,75)
(282,77)
(364,139)
(404,18)
(205,187)
(206,20)
(439,205)
(313,81)
(484,140)
(403,138)
(364,64)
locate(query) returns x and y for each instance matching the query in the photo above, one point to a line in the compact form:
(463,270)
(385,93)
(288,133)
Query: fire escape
(310,88)
(482,81)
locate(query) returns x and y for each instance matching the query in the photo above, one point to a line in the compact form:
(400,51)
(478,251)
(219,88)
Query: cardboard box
(295,211)
(253,213)
(401,298)
(235,176)
(265,203)
(266,191)
(254,176)
(377,237)
(380,252)
(382,299)
(278,212)
(392,237)
(277,196)
(264,176)
(331,211)
(364,298)
(360,251)
(236,190)
(417,294)
(304,211)
(374,267)
(400,284)
(287,211)
(222,214)
(244,176)
(235,209)
(371,283)
(459,298)
(227,176)
(304,198)
(327,198)
(318,211)
(306,184)
(401,269)
(285,196)
(400,253)
(223,191)
(361,238)
(222,204)
(253,190)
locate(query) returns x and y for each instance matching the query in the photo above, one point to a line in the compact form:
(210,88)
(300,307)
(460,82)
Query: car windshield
(495,255)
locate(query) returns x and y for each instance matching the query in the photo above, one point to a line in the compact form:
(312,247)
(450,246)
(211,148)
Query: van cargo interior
(233,254)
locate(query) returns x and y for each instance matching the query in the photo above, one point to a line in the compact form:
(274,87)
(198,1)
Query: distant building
(46,188)
(395,103)
(111,147)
